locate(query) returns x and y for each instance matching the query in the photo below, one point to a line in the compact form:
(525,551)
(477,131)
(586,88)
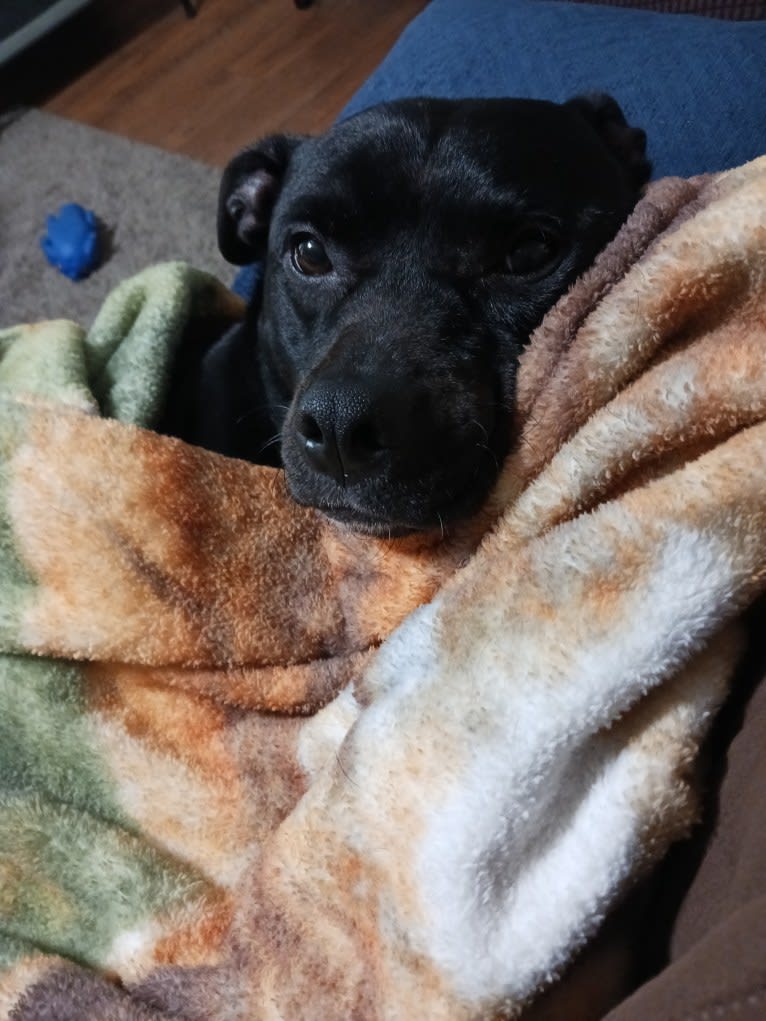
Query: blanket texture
(254,766)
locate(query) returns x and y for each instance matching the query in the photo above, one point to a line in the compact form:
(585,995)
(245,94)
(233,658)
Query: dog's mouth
(378,512)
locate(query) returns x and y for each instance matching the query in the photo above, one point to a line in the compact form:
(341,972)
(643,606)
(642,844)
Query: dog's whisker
(262,407)
(476,422)
(246,415)
(441,523)
(492,454)
(270,443)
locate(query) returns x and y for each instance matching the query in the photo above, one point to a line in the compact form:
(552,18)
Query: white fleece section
(526,889)
(515,867)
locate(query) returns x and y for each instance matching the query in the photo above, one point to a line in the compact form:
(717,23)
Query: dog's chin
(393,518)
(364,524)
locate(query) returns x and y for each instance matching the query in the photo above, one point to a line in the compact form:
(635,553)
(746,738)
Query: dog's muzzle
(386,457)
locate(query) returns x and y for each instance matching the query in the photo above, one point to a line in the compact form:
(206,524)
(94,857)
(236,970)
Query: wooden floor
(207,86)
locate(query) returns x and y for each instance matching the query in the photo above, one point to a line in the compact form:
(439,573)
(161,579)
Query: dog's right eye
(534,250)
(309,256)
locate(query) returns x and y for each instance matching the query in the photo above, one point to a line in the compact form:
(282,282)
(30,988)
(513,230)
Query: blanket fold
(254,765)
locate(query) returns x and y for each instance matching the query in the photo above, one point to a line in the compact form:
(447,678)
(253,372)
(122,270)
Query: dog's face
(409,252)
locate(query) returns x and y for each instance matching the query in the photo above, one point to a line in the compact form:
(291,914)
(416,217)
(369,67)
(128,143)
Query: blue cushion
(696,85)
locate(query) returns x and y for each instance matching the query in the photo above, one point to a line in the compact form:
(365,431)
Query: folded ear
(249,189)
(627,144)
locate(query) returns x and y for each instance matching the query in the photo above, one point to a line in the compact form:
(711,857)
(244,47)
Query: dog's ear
(626,143)
(249,189)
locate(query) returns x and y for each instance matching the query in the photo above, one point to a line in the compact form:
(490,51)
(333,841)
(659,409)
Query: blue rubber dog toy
(71,244)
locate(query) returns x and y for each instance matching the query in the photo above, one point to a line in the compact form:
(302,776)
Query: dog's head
(409,252)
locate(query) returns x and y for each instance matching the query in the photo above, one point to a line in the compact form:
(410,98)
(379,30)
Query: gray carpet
(156,205)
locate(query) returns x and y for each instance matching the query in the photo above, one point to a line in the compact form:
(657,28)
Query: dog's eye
(309,256)
(533,250)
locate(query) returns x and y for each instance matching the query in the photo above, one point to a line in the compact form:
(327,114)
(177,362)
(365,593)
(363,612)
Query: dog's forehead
(467,152)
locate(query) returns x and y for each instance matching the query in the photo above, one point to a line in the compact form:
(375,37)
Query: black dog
(409,252)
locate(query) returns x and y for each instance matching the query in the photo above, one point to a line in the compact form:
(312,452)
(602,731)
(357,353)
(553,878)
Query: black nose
(344,430)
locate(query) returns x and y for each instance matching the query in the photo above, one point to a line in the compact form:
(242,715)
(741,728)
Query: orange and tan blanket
(254,766)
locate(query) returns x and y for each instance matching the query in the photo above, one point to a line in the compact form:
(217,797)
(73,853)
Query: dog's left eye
(309,256)
(533,250)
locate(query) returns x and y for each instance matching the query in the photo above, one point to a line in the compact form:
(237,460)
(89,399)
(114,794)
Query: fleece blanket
(255,766)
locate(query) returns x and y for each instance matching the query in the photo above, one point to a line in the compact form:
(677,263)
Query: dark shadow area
(76,45)
(671,883)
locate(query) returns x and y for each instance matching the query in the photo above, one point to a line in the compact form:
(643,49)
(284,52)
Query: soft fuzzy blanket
(253,766)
